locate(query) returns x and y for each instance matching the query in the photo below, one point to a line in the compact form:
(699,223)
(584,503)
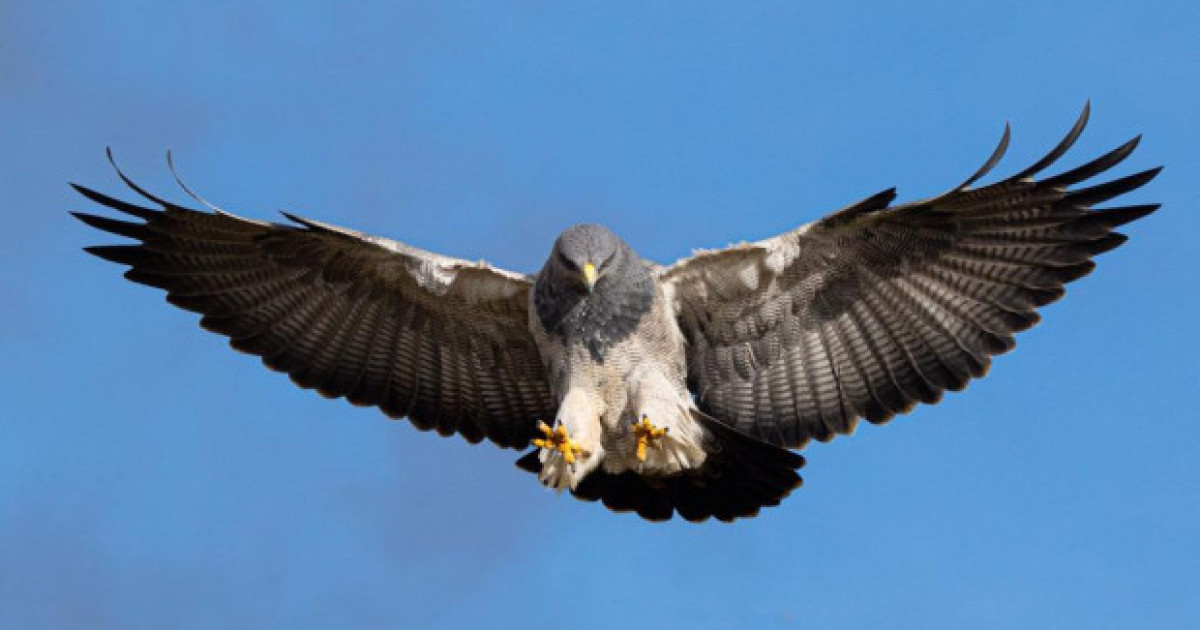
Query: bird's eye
(604,263)
(562,258)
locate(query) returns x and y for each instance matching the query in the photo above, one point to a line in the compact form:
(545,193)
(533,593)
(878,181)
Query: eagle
(660,390)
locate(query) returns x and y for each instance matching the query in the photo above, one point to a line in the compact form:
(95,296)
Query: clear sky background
(150,477)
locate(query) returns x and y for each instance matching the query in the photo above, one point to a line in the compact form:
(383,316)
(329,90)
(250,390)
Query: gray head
(586,252)
(593,289)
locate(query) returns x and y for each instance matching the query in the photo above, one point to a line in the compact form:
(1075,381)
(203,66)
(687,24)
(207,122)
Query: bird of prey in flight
(655,389)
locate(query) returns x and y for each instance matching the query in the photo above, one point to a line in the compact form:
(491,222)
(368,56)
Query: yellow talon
(557,439)
(647,435)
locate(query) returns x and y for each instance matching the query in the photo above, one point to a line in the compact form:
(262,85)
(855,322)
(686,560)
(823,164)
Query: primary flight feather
(659,390)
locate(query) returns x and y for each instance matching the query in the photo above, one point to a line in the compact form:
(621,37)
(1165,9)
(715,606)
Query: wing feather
(875,308)
(440,340)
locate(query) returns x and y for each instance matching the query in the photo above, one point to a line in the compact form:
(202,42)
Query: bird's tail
(740,476)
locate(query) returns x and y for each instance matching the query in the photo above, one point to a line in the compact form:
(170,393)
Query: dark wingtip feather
(1107,243)
(120,228)
(1103,192)
(186,189)
(1113,217)
(129,182)
(1095,167)
(1044,296)
(200,304)
(1061,148)
(1075,272)
(120,254)
(991,162)
(116,204)
(149,278)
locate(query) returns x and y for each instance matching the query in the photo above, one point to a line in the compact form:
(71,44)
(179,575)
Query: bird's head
(594,289)
(584,253)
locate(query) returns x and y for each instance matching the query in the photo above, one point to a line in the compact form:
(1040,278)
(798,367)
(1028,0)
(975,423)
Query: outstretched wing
(874,308)
(440,340)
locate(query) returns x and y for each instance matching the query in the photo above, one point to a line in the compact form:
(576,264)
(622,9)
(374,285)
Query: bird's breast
(597,321)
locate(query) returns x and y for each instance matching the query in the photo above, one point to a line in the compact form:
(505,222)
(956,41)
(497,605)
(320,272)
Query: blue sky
(150,477)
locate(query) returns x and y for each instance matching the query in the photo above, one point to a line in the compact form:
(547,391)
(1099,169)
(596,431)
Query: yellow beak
(589,276)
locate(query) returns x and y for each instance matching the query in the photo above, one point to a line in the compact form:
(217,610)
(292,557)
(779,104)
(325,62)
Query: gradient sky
(150,477)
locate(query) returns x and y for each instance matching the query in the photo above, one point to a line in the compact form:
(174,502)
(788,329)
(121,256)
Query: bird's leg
(573,448)
(647,435)
(556,439)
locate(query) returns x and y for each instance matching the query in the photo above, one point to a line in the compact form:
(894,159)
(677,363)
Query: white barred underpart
(640,376)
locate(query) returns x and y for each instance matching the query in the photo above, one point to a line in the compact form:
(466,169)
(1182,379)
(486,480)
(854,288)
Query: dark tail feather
(741,476)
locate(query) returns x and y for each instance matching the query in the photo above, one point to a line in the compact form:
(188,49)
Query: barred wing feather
(877,307)
(442,341)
